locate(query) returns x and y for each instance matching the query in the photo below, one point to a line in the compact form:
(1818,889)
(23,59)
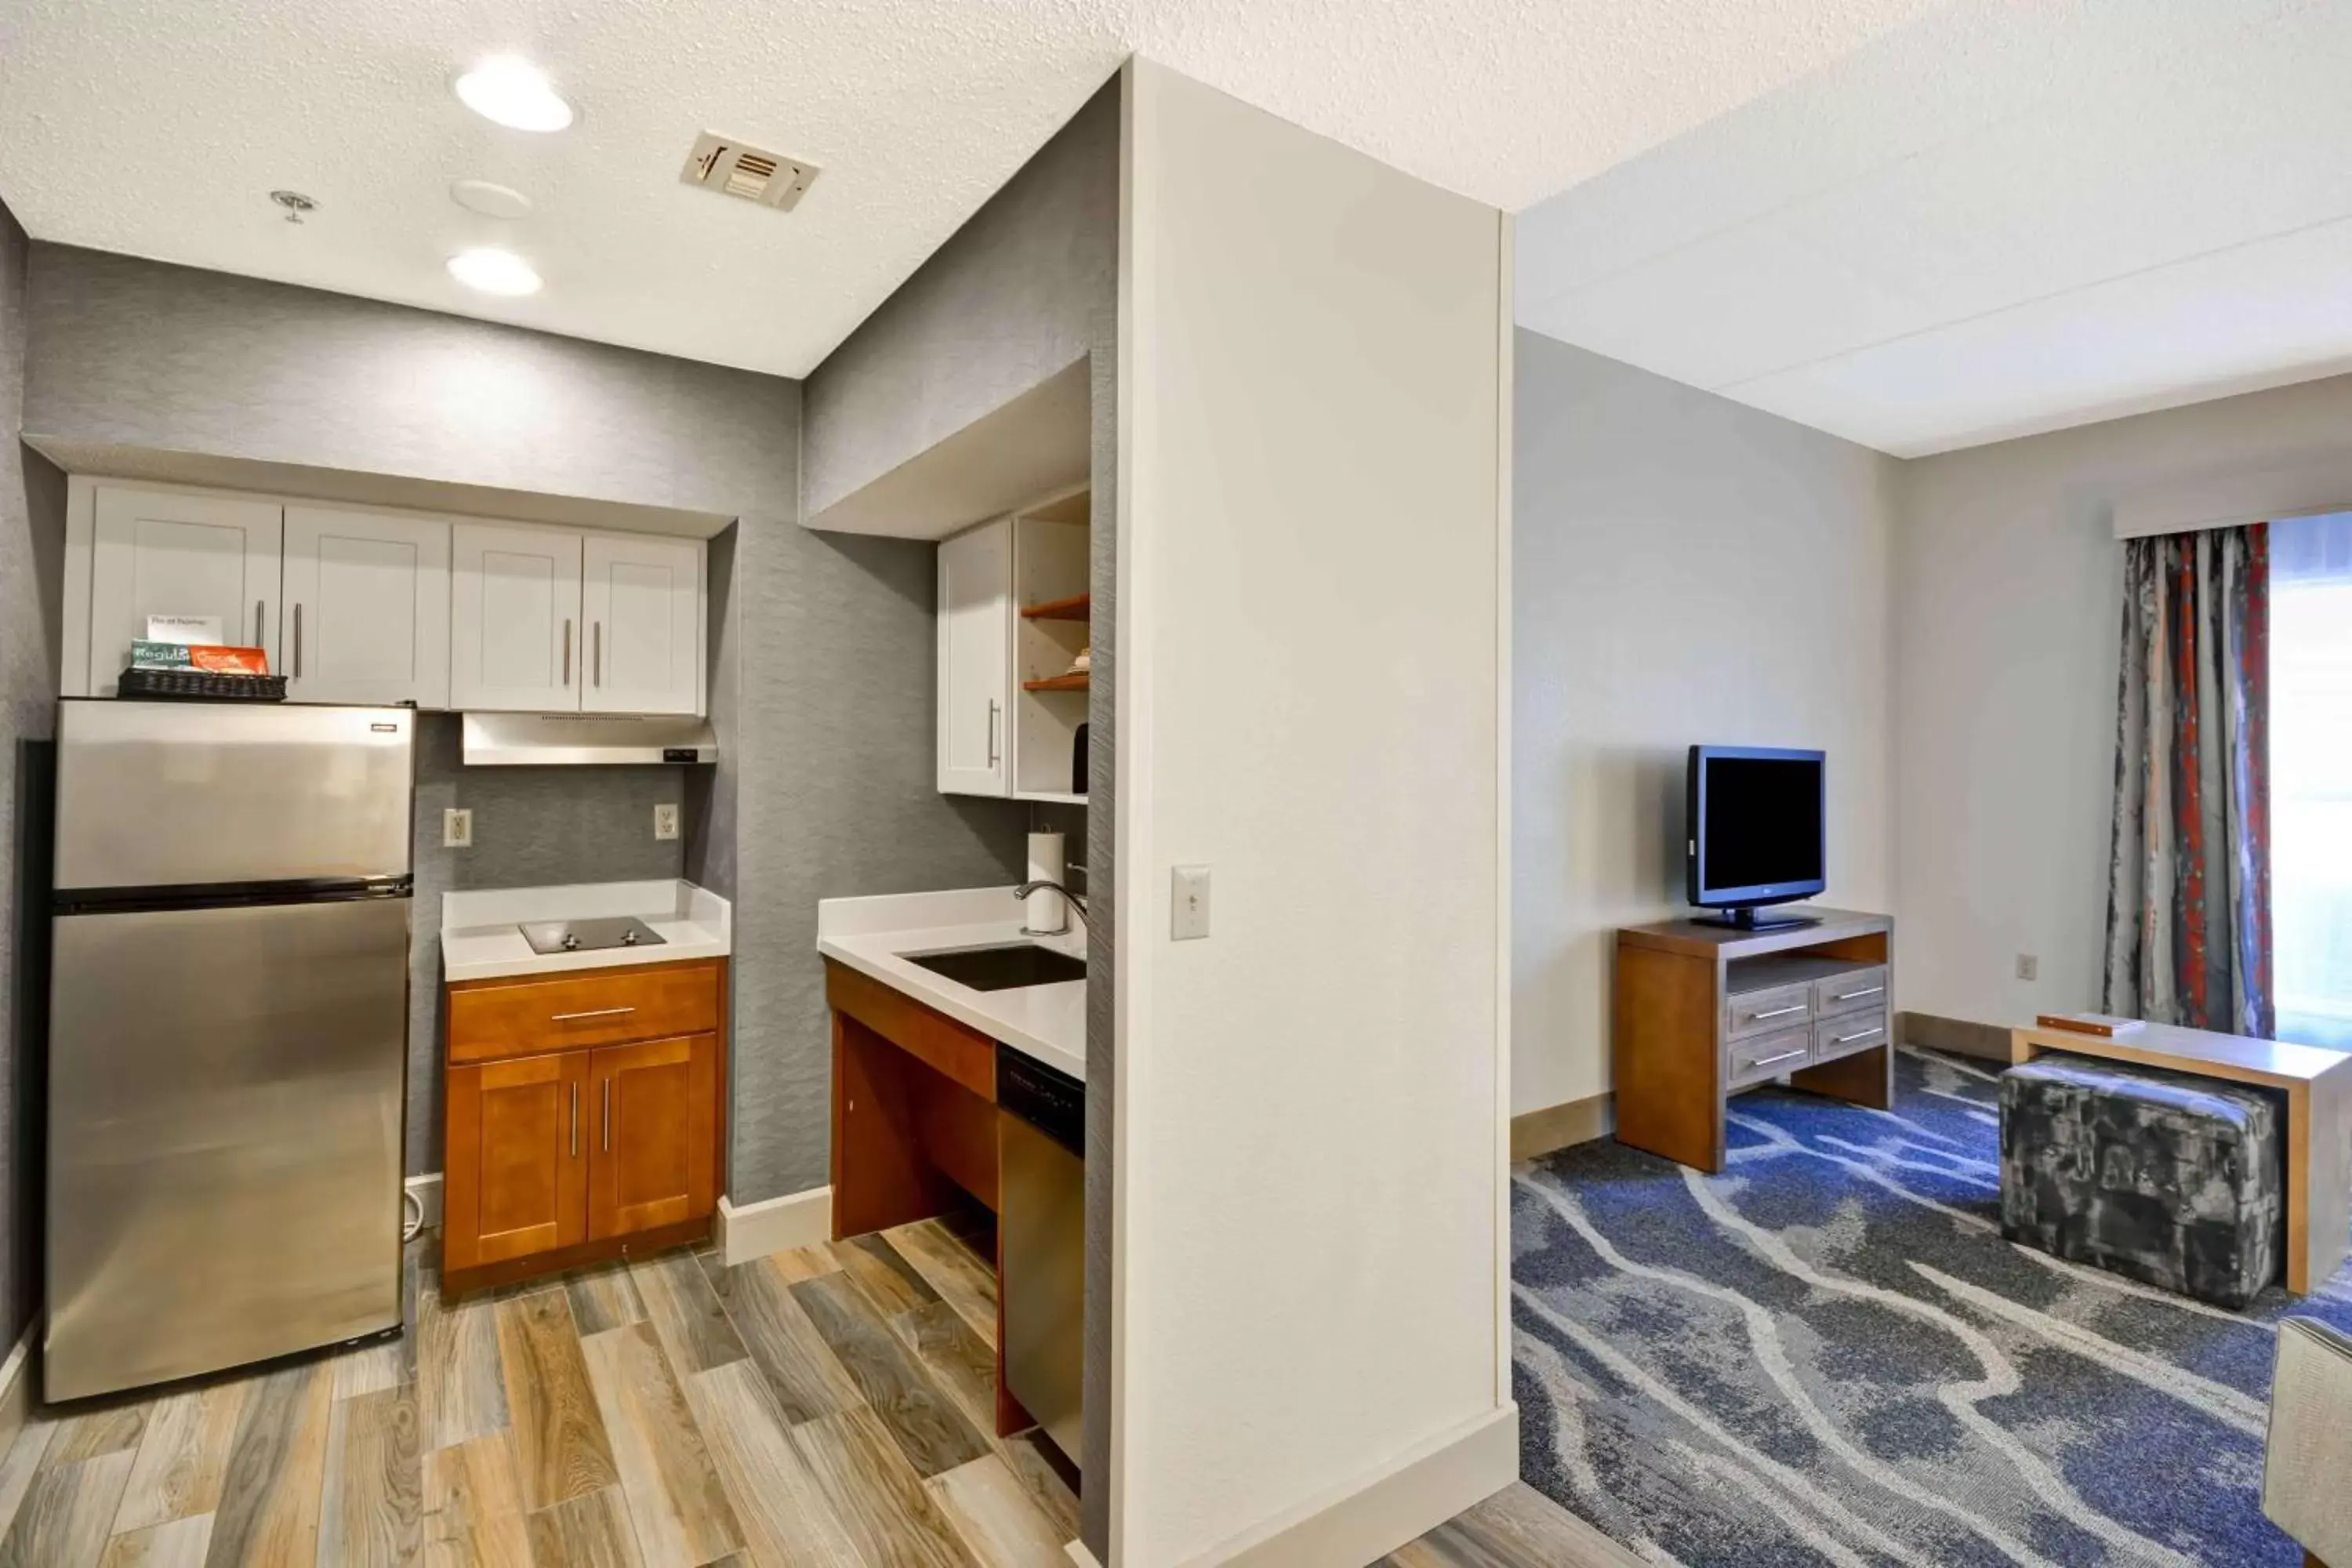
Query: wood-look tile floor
(829,1406)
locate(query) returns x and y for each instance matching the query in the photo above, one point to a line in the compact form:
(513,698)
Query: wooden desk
(1706,1011)
(914,1124)
(2319,1087)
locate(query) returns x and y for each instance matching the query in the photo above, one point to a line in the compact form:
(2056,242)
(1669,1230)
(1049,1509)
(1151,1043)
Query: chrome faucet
(1069,900)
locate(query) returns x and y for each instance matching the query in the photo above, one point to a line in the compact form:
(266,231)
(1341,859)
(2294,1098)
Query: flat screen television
(1755,816)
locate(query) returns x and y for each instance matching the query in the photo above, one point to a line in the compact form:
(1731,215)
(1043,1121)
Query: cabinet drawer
(590,1008)
(1754,1012)
(1848,1032)
(1766,1057)
(1855,991)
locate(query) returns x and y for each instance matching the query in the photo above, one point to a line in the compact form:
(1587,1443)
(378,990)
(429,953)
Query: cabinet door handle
(1778,1012)
(1858,996)
(993,711)
(575,1120)
(597,667)
(567,651)
(1849,1039)
(258,606)
(591,1012)
(1768,1061)
(297,640)
(608,1116)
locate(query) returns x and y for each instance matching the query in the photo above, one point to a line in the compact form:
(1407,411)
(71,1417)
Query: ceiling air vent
(723,165)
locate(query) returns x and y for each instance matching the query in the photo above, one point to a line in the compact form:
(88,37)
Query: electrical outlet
(666,822)
(458,828)
(1188,914)
(2029,967)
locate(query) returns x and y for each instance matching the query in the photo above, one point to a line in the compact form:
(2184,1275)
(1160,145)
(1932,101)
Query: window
(2310,777)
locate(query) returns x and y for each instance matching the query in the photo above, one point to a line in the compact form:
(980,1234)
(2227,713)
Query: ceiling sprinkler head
(295,203)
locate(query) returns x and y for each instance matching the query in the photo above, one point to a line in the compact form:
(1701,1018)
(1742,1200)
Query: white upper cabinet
(641,601)
(160,552)
(514,618)
(377,607)
(975,636)
(366,617)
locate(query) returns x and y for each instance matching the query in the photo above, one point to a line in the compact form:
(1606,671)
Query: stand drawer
(1766,1057)
(1855,991)
(1848,1032)
(1754,1012)
(523,1017)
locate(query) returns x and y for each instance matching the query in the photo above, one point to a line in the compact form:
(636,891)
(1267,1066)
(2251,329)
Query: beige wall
(2008,599)
(1310,629)
(1686,570)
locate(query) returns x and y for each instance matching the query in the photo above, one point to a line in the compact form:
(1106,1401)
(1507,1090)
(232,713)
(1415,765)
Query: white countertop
(873,936)
(480,941)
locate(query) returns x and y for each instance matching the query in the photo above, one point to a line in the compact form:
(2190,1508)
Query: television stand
(1706,1010)
(1749,917)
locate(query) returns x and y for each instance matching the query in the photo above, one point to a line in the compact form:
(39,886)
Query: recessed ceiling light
(514,92)
(494,271)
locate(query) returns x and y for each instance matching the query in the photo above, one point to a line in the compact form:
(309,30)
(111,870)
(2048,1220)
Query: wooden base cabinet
(560,1157)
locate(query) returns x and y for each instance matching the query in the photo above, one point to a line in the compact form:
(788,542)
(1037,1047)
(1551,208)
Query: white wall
(1686,570)
(2008,606)
(1311,622)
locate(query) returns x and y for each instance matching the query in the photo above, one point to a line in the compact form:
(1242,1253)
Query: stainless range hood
(576,739)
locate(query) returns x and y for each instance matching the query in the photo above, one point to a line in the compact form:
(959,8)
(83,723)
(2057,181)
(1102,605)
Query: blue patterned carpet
(1827,1354)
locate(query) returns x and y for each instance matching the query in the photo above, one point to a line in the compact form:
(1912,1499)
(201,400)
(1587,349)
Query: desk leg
(1865,1078)
(2318,1179)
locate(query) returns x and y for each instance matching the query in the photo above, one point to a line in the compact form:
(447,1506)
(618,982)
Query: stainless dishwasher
(1042,1227)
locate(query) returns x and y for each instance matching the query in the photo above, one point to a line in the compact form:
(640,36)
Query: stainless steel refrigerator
(229,1036)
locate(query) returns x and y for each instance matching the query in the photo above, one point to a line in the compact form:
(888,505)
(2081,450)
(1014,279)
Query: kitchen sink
(1001,966)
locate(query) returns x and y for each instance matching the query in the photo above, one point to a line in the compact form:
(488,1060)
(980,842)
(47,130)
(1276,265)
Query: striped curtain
(2189,873)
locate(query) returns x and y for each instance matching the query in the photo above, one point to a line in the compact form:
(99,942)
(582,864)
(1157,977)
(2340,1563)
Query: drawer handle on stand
(591,1012)
(1777,1011)
(1768,1061)
(1849,1039)
(1858,996)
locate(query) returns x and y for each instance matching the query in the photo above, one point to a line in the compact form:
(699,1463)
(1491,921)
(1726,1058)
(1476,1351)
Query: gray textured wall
(534,827)
(32,556)
(1009,299)
(825,783)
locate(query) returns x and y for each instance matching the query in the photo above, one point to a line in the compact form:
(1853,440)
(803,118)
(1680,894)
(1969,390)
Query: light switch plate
(1188,911)
(458,828)
(665,821)
(2028,966)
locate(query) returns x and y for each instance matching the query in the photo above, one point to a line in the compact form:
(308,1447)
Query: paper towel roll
(1044,914)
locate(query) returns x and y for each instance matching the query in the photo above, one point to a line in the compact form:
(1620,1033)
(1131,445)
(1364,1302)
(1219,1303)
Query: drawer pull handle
(1849,1039)
(1858,996)
(591,1012)
(1778,1012)
(1768,1061)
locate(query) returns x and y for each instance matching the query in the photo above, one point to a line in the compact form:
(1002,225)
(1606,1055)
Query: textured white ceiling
(2010,216)
(158,127)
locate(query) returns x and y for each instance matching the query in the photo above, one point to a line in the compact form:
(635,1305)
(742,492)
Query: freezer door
(157,794)
(226,1102)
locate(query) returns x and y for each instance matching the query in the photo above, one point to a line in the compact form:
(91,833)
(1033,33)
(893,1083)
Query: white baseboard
(1077,1551)
(1367,1518)
(16,1385)
(426,1191)
(774,1225)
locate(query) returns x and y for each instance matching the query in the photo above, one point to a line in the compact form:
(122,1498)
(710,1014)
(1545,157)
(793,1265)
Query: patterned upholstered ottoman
(2174,1180)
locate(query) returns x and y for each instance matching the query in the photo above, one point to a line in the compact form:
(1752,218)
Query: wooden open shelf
(1076,607)
(1075,682)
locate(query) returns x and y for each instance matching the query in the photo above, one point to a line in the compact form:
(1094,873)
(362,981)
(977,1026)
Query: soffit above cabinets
(1036,444)
(917,111)
(348,487)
